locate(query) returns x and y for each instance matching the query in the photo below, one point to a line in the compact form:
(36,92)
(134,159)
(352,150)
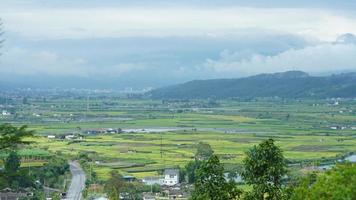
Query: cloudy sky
(137,43)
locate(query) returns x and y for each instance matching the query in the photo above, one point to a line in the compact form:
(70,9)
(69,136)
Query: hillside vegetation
(291,84)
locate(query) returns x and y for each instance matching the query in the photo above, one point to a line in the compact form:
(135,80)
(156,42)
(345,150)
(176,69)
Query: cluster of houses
(10,194)
(170,178)
(65,137)
(339,127)
(76,136)
(5,113)
(103,131)
(170,184)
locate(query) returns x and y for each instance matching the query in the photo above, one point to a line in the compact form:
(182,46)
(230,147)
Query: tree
(210,183)
(264,168)
(204,151)
(12,137)
(338,183)
(114,186)
(53,171)
(190,169)
(134,190)
(182,175)
(12,163)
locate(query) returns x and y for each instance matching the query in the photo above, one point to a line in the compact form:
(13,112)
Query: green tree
(210,183)
(264,168)
(133,190)
(12,163)
(190,169)
(12,137)
(204,151)
(336,184)
(182,175)
(53,172)
(114,186)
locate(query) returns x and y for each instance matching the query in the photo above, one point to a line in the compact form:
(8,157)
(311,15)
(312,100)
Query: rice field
(305,130)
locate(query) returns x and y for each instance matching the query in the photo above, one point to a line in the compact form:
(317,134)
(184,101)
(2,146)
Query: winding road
(78,182)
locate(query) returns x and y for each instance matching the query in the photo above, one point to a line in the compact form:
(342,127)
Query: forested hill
(291,84)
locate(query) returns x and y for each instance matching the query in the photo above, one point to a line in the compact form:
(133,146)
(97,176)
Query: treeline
(265,171)
(292,84)
(52,174)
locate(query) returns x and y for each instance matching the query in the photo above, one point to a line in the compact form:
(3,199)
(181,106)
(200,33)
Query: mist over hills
(290,84)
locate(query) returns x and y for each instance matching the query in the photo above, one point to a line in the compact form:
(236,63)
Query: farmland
(160,134)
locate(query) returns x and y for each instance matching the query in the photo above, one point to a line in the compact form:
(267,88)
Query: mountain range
(290,84)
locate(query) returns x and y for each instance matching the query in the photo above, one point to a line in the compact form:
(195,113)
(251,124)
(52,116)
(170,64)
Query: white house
(69,137)
(5,113)
(51,137)
(171,177)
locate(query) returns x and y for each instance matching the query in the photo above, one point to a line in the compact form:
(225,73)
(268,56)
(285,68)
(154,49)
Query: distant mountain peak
(346,38)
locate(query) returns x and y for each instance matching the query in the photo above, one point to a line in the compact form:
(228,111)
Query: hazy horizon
(119,44)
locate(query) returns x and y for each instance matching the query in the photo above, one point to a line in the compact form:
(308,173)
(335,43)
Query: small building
(69,137)
(148,196)
(171,177)
(5,113)
(129,178)
(111,130)
(151,180)
(51,137)
(92,132)
(101,198)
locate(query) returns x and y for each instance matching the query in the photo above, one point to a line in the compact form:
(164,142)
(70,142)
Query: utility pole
(44,188)
(6,102)
(90,169)
(87,103)
(64,183)
(151,186)
(87,108)
(93,162)
(161,146)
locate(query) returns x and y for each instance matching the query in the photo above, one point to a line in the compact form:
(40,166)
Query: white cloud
(21,61)
(314,59)
(24,62)
(172,42)
(121,22)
